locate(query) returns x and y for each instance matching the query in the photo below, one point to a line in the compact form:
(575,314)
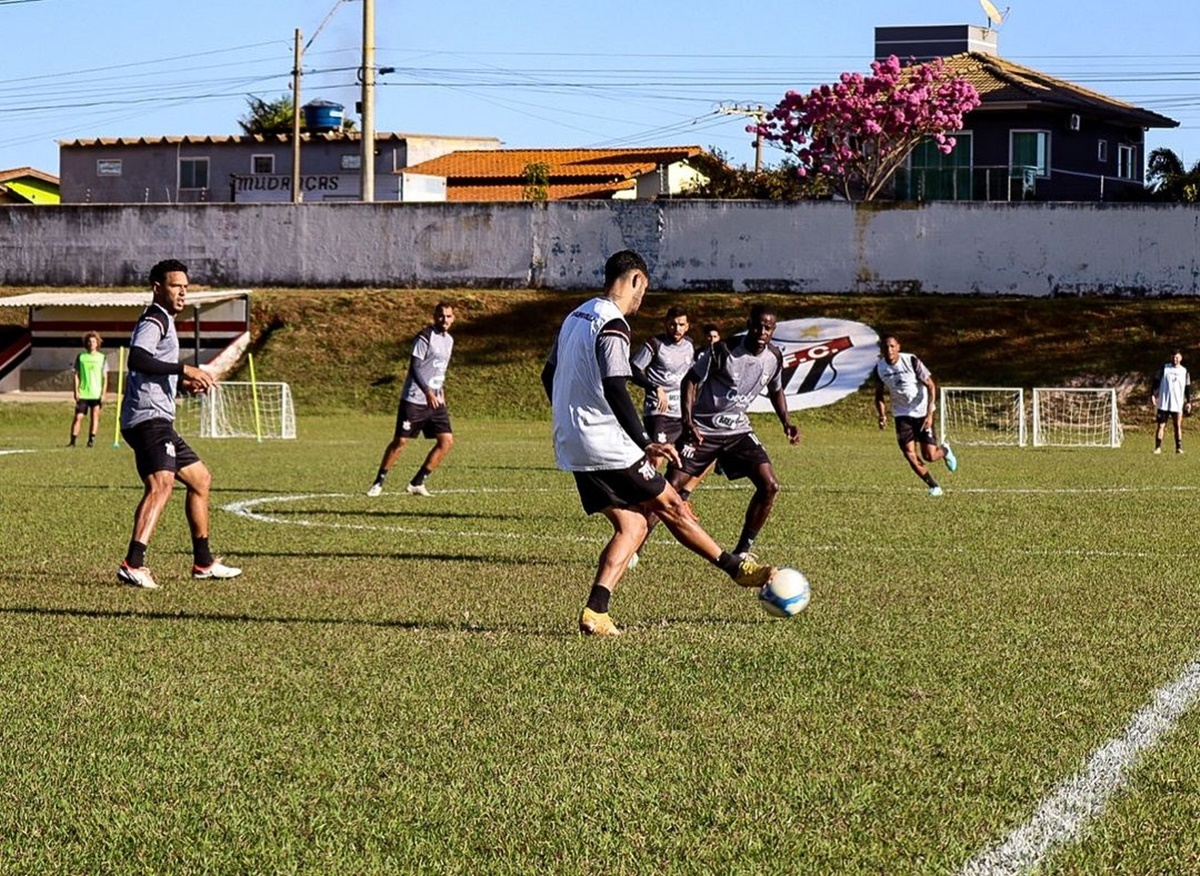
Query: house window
(193,173)
(1127,162)
(1102,151)
(262,163)
(933,175)
(108,167)
(1030,151)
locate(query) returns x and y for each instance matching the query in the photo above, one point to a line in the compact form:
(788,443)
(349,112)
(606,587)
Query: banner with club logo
(824,360)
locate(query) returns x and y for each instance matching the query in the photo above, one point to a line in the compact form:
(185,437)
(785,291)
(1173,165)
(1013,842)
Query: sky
(533,73)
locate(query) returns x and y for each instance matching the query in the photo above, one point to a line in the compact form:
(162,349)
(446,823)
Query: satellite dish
(994,15)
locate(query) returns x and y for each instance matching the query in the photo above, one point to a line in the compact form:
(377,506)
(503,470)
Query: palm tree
(1170,181)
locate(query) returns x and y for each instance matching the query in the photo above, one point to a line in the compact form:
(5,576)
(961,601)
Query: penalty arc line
(1062,817)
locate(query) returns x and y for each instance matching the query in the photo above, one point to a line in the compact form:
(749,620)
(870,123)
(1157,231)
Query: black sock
(598,599)
(419,477)
(136,555)
(1157,443)
(928,478)
(380,475)
(201,553)
(72,442)
(91,439)
(745,542)
(728,563)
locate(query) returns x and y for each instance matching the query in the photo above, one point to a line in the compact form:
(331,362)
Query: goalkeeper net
(238,410)
(982,415)
(1069,417)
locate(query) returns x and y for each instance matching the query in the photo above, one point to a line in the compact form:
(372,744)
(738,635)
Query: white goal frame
(232,409)
(983,416)
(1080,427)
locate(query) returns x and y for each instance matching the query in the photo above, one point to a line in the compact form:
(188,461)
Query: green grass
(395,685)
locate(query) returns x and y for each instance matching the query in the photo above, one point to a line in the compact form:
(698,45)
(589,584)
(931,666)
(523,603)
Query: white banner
(824,360)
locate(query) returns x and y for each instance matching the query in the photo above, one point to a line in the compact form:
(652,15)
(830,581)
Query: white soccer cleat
(935,491)
(633,561)
(417,490)
(136,576)
(374,490)
(217,570)
(951,459)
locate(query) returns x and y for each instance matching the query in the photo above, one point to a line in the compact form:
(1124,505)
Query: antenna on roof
(994,15)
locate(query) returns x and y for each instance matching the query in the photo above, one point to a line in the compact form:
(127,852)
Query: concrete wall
(1028,249)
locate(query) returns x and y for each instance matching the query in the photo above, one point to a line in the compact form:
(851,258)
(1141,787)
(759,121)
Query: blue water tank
(323,115)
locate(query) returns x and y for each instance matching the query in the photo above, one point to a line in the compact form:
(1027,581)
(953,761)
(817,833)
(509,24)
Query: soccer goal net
(1069,417)
(239,410)
(982,415)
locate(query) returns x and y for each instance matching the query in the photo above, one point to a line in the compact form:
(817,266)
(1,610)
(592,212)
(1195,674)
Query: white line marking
(6,452)
(1066,812)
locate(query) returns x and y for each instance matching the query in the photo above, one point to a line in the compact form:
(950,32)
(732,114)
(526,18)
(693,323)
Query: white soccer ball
(786,594)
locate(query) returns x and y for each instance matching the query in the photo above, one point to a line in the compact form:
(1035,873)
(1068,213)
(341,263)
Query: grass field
(395,685)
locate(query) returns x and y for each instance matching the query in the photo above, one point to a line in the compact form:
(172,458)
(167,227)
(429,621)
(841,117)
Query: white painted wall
(1027,249)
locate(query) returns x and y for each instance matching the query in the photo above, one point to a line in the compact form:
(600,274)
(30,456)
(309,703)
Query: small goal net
(982,415)
(238,410)
(1071,417)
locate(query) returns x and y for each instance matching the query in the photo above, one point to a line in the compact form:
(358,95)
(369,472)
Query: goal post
(982,415)
(1076,417)
(232,409)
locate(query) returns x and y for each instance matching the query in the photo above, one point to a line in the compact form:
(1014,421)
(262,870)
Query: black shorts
(1162,416)
(737,456)
(619,488)
(86,404)
(413,420)
(158,447)
(663,429)
(910,429)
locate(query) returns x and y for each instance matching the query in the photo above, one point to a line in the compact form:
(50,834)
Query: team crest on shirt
(824,360)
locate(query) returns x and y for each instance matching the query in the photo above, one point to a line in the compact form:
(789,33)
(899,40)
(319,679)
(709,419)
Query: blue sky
(552,74)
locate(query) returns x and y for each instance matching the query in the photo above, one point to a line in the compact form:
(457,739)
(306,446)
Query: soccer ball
(786,593)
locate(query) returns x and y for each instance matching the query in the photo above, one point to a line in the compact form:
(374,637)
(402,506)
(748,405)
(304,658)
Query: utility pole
(758,115)
(367,75)
(296,195)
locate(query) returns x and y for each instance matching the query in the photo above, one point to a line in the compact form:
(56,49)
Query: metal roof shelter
(40,357)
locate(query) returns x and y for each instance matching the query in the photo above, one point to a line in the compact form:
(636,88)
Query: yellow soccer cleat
(751,573)
(594,623)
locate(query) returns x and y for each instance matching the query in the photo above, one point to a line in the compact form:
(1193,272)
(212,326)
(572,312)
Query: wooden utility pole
(367,75)
(758,115)
(297,196)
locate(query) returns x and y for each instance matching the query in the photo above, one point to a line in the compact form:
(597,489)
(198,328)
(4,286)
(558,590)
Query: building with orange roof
(1033,136)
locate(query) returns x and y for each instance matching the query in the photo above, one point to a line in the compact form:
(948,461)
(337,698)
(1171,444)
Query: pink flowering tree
(860,130)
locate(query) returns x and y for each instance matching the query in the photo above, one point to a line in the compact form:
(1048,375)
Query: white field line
(7,452)
(1063,815)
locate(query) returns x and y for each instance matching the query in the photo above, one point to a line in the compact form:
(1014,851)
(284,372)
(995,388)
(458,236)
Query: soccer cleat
(1179,450)
(417,490)
(751,573)
(951,459)
(217,570)
(594,623)
(633,561)
(935,491)
(136,576)
(375,489)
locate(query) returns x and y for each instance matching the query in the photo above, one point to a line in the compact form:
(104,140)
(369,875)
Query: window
(1030,150)
(933,175)
(1127,162)
(108,167)
(262,163)
(1102,151)
(193,173)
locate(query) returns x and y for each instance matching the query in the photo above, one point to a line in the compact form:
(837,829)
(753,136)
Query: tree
(537,181)
(1170,180)
(274,116)
(861,129)
(780,183)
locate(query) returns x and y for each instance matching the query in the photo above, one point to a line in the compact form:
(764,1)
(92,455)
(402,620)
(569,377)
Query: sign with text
(264,187)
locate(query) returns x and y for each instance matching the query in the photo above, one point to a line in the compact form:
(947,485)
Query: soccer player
(423,402)
(598,438)
(912,391)
(658,367)
(1172,398)
(91,385)
(148,426)
(716,395)
(712,335)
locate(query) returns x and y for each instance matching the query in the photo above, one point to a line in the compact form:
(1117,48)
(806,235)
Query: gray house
(250,168)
